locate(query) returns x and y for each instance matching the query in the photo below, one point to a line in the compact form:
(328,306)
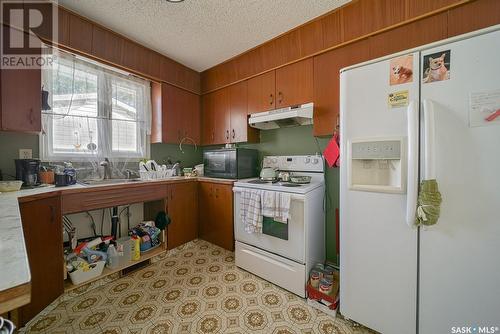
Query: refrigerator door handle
(429,140)
(412,176)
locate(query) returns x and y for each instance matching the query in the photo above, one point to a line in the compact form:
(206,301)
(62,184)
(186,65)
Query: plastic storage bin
(79,276)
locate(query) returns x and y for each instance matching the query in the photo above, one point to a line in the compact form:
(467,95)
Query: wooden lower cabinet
(182,206)
(216,214)
(42,229)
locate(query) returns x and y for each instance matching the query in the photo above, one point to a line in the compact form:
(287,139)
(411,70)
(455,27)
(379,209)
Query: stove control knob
(307,160)
(315,161)
(274,160)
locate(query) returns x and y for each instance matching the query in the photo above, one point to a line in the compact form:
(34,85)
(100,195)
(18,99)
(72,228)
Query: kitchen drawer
(288,274)
(104,198)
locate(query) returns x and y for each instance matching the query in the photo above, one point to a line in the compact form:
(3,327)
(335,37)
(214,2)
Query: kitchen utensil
(6,186)
(284,176)
(300,179)
(268,173)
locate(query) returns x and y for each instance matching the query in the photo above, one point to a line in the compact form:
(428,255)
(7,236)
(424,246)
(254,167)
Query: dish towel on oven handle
(251,210)
(276,205)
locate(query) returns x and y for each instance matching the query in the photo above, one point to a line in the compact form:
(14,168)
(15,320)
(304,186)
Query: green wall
(300,140)
(10,143)
(191,156)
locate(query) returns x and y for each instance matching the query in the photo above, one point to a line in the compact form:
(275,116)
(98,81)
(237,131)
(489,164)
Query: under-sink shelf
(146,256)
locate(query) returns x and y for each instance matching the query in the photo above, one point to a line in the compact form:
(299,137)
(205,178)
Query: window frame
(106,75)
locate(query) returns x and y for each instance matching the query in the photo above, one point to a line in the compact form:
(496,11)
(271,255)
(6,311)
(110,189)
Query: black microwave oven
(231,163)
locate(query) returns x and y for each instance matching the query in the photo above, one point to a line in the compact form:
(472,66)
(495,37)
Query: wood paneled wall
(359,19)
(83,36)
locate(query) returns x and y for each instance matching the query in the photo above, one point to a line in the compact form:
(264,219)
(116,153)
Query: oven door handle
(292,198)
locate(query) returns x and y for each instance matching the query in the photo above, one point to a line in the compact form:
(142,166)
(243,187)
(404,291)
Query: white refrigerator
(429,113)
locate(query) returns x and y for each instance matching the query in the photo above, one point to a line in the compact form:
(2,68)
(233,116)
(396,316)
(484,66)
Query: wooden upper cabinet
(428,30)
(21,100)
(191,119)
(222,116)
(135,57)
(63,27)
(42,229)
(486,13)
(154,64)
(182,206)
(240,130)
(216,120)
(225,116)
(420,7)
(207,119)
(327,68)
(106,45)
(176,115)
(294,84)
(262,93)
(80,34)
(172,106)
(364,17)
(238,112)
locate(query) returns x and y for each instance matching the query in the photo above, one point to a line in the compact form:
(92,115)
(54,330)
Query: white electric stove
(284,253)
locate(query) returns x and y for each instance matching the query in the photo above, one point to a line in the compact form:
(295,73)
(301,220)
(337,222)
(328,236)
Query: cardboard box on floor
(325,303)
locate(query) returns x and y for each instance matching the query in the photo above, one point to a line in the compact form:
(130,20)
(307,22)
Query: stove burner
(259,181)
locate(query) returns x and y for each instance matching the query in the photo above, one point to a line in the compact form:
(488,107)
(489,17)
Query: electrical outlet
(25,153)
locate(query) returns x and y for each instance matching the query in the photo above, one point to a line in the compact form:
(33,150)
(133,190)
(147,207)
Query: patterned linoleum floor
(194,289)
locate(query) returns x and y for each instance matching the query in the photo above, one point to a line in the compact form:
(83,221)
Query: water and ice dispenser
(377,165)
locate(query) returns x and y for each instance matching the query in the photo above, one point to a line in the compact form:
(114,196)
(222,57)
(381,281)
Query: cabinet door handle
(216,192)
(271,99)
(234,134)
(227,134)
(32,119)
(280,97)
(213,136)
(171,195)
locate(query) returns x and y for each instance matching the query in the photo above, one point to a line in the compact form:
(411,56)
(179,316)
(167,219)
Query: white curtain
(95,112)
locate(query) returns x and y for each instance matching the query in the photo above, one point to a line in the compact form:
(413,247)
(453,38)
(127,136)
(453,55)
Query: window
(93,112)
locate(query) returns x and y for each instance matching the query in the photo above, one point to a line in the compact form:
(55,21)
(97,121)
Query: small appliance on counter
(66,176)
(27,171)
(230,163)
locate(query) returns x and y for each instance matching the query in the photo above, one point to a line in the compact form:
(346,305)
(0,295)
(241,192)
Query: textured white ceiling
(201,33)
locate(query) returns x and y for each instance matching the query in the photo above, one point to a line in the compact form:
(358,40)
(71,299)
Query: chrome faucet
(107,168)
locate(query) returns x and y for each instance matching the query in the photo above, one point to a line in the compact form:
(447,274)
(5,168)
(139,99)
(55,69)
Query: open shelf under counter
(146,256)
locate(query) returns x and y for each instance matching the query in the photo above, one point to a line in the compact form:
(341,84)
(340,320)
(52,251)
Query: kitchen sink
(106,181)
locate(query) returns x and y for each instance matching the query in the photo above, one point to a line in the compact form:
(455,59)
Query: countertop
(13,260)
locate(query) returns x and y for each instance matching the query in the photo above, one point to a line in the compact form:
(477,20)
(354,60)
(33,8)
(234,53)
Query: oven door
(286,240)
(220,163)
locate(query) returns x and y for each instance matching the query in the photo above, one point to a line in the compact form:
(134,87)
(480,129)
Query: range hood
(282,118)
